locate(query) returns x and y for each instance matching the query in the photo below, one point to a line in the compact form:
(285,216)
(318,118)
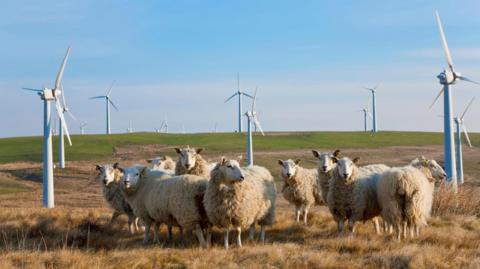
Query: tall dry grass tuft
(447,203)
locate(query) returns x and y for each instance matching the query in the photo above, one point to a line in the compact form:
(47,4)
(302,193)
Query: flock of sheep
(195,195)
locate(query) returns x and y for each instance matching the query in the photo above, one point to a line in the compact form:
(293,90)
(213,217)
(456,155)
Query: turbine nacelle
(448,77)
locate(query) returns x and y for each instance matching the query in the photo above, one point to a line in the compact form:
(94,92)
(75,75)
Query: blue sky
(308,59)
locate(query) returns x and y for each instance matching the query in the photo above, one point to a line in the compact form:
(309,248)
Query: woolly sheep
(191,162)
(109,176)
(405,194)
(158,198)
(163,163)
(239,198)
(326,163)
(300,187)
(350,197)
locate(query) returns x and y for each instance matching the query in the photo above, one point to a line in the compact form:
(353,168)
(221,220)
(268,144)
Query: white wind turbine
(239,93)
(48,96)
(366,114)
(82,128)
(61,141)
(164,125)
(130,127)
(108,102)
(459,122)
(448,78)
(252,117)
(374,107)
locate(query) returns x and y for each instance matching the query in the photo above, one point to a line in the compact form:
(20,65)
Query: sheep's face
(231,171)
(188,157)
(435,169)
(289,168)
(131,176)
(326,161)
(345,167)
(158,163)
(109,173)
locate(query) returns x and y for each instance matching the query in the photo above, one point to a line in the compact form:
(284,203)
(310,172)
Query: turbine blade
(71,115)
(466,109)
(58,80)
(229,98)
(254,99)
(238,81)
(111,102)
(467,79)
(33,90)
(255,121)
(246,94)
(59,108)
(466,135)
(97,97)
(110,90)
(436,99)
(444,42)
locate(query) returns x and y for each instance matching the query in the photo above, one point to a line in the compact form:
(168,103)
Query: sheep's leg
(262,234)
(180,231)
(417,230)
(405,229)
(131,224)
(225,238)
(146,236)
(377,225)
(239,237)
(305,214)
(156,227)
(340,226)
(114,216)
(201,239)
(251,232)
(412,231)
(297,213)
(209,236)
(169,232)
(351,226)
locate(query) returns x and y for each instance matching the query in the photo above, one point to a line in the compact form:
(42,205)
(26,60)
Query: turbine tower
(82,128)
(48,96)
(252,117)
(239,93)
(108,102)
(459,122)
(374,108)
(366,114)
(447,78)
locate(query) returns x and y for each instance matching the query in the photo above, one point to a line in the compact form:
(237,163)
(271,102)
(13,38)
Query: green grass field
(101,146)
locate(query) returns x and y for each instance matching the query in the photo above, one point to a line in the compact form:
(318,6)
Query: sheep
(158,198)
(239,198)
(405,194)
(109,176)
(191,162)
(163,163)
(300,187)
(326,163)
(350,195)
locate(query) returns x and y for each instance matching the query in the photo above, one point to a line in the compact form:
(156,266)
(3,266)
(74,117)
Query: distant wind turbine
(374,108)
(130,127)
(108,102)
(164,125)
(252,117)
(82,128)
(459,121)
(366,114)
(239,93)
(48,96)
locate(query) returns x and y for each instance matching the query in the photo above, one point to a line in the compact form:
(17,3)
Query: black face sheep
(109,176)
(240,197)
(158,198)
(326,163)
(300,187)
(191,162)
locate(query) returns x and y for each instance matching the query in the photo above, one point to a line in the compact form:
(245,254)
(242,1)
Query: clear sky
(308,59)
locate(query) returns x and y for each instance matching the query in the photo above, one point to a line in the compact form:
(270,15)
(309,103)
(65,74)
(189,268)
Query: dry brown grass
(466,201)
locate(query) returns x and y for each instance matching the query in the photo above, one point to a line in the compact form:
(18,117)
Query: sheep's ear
(239,158)
(115,165)
(164,158)
(280,162)
(297,161)
(149,160)
(334,159)
(144,172)
(223,160)
(199,150)
(178,150)
(336,153)
(356,160)
(98,167)
(120,169)
(315,153)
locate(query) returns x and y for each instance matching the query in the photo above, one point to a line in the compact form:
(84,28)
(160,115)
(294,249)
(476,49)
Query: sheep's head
(230,170)
(158,163)
(435,169)
(289,168)
(109,173)
(326,160)
(188,156)
(346,167)
(132,175)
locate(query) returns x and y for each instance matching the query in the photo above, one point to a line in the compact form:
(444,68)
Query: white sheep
(405,194)
(239,198)
(110,175)
(350,195)
(191,162)
(326,163)
(158,199)
(163,163)
(300,187)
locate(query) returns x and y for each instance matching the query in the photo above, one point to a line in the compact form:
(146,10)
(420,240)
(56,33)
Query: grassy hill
(100,146)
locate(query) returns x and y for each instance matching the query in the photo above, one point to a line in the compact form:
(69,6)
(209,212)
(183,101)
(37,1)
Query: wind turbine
(252,117)
(459,122)
(130,128)
(82,128)
(48,96)
(374,108)
(366,114)
(239,94)
(61,141)
(164,126)
(447,78)
(108,102)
